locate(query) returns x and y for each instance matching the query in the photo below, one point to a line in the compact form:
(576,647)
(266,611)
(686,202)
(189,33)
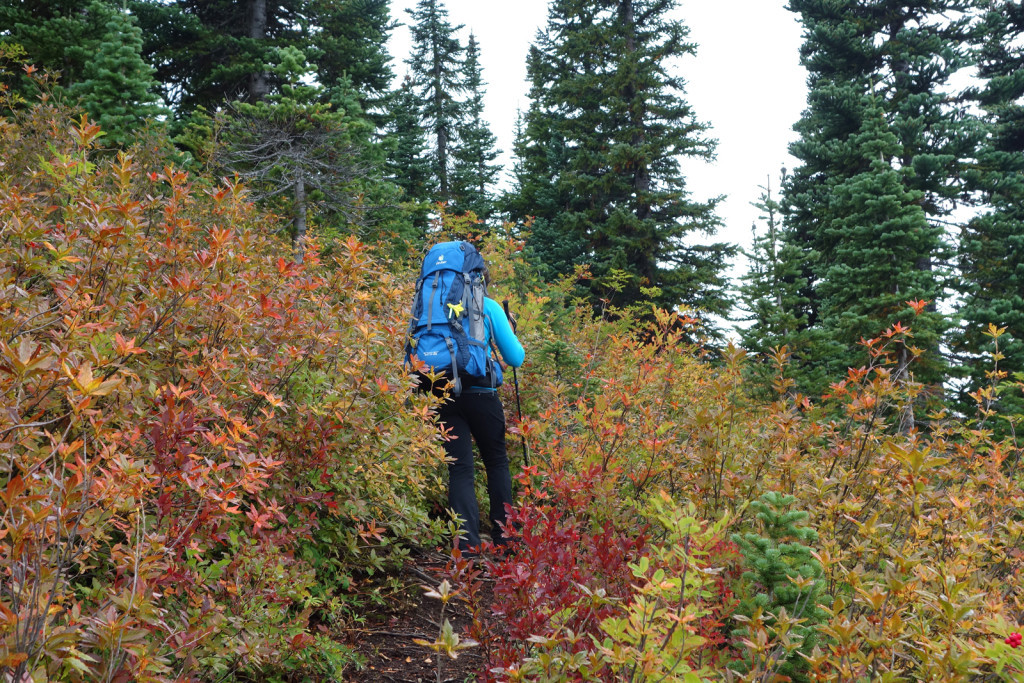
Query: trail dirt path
(388,645)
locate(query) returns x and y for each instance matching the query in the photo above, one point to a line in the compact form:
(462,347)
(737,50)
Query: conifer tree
(880,71)
(435,64)
(349,44)
(475,172)
(87,40)
(837,59)
(773,296)
(538,198)
(117,87)
(618,124)
(46,29)
(991,250)
(407,165)
(784,576)
(769,282)
(880,236)
(294,149)
(209,52)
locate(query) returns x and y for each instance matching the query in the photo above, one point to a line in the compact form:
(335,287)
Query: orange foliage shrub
(919,535)
(201,439)
(192,424)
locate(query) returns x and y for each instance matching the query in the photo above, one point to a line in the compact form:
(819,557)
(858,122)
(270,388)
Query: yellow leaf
(90,385)
(104,388)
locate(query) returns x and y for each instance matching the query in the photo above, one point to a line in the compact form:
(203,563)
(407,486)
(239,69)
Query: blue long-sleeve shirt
(498,327)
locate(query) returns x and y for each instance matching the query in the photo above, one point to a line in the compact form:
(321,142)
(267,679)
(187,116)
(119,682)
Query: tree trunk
(647,265)
(258,81)
(441,130)
(299,238)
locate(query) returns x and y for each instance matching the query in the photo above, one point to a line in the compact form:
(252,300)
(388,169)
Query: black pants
(479,417)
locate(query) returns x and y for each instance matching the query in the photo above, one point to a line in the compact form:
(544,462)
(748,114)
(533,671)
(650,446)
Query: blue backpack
(447,329)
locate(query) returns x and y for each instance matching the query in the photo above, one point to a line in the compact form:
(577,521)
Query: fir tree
(836,57)
(300,152)
(773,296)
(474,171)
(349,47)
(407,164)
(881,235)
(117,87)
(765,290)
(784,577)
(87,40)
(435,64)
(617,125)
(878,71)
(991,250)
(538,199)
(46,29)
(209,52)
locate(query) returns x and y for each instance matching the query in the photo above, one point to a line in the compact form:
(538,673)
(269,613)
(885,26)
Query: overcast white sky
(746,81)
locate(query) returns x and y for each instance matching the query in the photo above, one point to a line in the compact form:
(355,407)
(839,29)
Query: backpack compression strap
(430,308)
(456,382)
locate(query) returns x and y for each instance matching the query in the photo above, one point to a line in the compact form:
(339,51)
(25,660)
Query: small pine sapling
(780,610)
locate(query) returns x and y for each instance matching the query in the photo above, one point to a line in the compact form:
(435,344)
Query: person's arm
(504,338)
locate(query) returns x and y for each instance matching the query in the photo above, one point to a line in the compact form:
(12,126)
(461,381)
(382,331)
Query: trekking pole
(515,381)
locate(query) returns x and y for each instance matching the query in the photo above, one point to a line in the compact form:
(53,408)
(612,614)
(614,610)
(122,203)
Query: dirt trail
(388,645)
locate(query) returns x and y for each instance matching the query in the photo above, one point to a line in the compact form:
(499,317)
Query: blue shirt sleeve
(504,338)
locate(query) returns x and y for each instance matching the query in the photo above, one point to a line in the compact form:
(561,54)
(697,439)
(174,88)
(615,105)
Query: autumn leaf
(89,385)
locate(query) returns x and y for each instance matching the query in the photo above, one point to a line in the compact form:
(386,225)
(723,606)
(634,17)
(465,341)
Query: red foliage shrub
(569,572)
(566,574)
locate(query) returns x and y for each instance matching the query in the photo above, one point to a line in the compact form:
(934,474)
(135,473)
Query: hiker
(454,326)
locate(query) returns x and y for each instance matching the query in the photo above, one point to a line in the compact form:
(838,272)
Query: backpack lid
(459,256)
